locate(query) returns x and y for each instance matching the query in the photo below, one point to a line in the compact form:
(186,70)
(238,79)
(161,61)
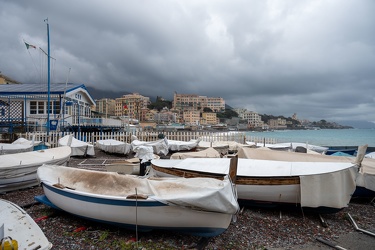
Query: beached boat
(320,186)
(18,171)
(199,206)
(18,230)
(365,176)
(292,146)
(158,146)
(79,148)
(114,146)
(18,146)
(174,145)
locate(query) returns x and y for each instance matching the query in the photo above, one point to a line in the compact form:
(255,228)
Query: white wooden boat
(365,177)
(114,146)
(18,171)
(79,148)
(199,206)
(19,226)
(319,186)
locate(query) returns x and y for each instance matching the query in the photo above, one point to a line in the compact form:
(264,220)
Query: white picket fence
(54,137)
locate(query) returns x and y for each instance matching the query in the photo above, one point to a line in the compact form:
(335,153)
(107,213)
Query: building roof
(40,89)
(32,88)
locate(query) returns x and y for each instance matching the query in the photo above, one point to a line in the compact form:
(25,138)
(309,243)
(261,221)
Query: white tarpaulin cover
(329,190)
(18,146)
(114,146)
(159,146)
(197,193)
(313,174)
(207,165)
(174,145)
(290,146)
(145,153)
(365,176)
(221,146)
(19,170)
(79,148)
(207,153)
(322,184)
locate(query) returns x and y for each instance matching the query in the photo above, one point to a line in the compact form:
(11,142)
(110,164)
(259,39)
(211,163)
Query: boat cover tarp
(21,160)
(370,155)
(329,190)
(174,145)
(18,146)
(312,173)
(365,175)
(79,148)
(206,165)
(291,146)
(206,194)
(114,146)
(206,153)
(220,145)
(145,153)
(327,184)
(261,154)
(159,146)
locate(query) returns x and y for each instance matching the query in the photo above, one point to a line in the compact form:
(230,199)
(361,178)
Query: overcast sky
(313,58)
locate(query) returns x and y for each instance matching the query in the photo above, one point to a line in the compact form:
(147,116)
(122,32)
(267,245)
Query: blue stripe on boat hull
(196,231)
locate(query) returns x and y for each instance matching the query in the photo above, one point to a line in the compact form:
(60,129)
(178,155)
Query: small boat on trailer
(324,187)
(18,230)
(199,206)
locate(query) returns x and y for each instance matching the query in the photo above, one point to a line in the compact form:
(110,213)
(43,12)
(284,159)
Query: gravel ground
(254,228)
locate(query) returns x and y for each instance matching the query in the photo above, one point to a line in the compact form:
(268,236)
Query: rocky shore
(254,228)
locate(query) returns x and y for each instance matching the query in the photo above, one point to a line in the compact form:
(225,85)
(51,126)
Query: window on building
(40,107)
(33,107)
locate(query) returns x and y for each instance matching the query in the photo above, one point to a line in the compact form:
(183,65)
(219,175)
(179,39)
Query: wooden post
(233,167)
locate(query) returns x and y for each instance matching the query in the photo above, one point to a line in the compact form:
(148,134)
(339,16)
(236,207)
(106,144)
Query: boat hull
(141,215)
(18,225)
(20,170)
(256,184)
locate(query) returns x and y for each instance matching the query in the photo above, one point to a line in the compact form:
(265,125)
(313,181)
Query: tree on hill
(160,103)
(227,113)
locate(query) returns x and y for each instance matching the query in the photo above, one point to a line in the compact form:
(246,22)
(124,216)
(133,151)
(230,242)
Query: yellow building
(131,105)
(209,118)
(105,106)
(183,102)
(191,117)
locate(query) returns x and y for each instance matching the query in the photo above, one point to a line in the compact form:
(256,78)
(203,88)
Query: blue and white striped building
(26,105)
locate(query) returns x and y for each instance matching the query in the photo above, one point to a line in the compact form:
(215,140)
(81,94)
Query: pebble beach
(253,228)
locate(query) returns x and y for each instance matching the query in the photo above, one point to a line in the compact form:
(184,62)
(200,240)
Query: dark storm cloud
(313,58)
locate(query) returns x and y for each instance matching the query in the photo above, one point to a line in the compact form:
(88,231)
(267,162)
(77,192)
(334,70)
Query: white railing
(92,137)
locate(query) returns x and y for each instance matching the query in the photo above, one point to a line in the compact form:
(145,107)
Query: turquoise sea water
(322,137)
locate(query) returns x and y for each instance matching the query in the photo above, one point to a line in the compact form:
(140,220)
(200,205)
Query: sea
(320,137)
